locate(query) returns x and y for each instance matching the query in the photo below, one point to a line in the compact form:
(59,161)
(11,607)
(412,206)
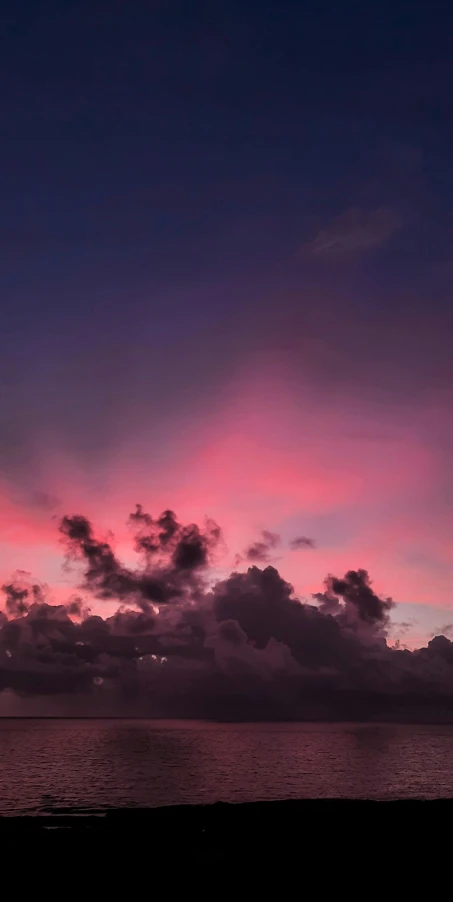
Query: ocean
(46,765)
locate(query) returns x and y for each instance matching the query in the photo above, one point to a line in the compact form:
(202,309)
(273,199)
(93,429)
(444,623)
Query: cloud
(353,232)
(175,556)
(360,602)
(399,630)
(445,630)
(44,501)
(261,550)
(244,648)
(301,542)
(20,593)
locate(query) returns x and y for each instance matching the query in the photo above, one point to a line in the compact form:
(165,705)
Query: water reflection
(98,764)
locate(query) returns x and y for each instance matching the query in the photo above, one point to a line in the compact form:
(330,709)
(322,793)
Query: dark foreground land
(395,839)
(308,850)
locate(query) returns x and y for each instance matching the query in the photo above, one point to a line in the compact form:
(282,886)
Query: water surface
(48,764)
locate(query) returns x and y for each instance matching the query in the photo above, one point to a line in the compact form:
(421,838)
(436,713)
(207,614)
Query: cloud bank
(243,648)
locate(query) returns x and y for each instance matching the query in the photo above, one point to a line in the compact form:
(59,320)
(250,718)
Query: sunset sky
(226,277)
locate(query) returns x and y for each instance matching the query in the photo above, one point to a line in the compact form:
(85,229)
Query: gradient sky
(226,273)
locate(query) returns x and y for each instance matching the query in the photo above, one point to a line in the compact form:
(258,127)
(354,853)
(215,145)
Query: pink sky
(366,482)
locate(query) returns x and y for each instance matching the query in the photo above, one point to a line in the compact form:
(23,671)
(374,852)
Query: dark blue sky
(185,186)
(164,162)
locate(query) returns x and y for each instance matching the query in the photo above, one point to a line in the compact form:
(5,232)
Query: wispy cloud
(445,630)
(262,549)
(301,542)
(353,232)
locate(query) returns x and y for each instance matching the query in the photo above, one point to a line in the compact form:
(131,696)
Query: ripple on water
(97,764)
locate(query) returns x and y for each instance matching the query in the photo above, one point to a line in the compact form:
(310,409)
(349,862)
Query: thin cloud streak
(302,542)
(354,232)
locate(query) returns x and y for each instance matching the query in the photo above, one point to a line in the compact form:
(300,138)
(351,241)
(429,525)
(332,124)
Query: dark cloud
(189,546)
(77,607)
(353,599)
(245,648)
(301,542)
(262,549)
(20,593)
(174,556)
(263,605)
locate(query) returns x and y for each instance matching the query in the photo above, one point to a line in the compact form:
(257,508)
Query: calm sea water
(45,764)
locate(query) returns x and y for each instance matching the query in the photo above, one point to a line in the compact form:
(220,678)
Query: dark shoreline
(263,817)
(324,844)
(415,721)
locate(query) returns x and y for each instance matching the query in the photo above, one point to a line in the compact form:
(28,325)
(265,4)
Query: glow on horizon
(366,484)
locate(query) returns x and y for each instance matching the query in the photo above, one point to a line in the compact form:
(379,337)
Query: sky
(226,271)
